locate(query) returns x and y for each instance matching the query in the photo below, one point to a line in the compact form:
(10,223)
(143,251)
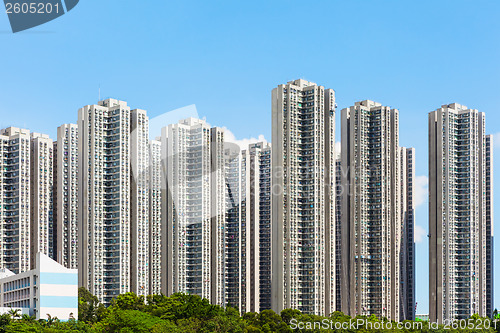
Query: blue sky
(226,56)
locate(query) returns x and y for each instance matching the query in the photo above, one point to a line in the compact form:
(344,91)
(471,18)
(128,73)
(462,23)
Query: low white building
(49,289)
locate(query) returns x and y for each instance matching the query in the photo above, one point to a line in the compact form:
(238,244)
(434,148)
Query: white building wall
(15,195)
(48,290)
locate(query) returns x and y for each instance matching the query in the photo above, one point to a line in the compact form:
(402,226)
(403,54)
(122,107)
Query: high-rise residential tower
(490,281)
(248,227)
(303,198)
(155,217)
(377,213)
(238,272)
(42,177)
(65,201)
(194,210)
(460,228)
(104,200)
(140,205)
(407,253)
(260,154)
(15,175)
(338,229)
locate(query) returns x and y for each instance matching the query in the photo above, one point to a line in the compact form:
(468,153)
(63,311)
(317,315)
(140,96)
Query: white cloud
(243,143)
(496,141)
(419,234)
(421,190)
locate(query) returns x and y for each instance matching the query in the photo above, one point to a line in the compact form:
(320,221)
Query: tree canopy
(182,313)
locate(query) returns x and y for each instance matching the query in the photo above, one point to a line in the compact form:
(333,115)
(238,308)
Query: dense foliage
(178,313)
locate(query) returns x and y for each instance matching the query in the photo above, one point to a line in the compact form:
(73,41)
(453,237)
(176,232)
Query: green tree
(4,322)
(14,313)
(129,301)
(271,322)
(89,308)
(28,319)
(165,326)
(128,321)
(183,306)
(288,314)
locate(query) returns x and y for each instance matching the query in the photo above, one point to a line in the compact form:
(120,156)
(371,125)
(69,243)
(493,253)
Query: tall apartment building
(377,213)
(238,220)
(65,200)
(338,236)
(407,253)
(490,281)
(218,216)
(15,184)
(261,155)
(42,176)
(155,217)
(248,227)
(104,199)
(459,224)
(194,210)
(140,205)
(303,198)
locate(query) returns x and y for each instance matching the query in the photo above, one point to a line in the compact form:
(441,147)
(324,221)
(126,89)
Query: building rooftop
(110,102)
(302,83)
(9,131)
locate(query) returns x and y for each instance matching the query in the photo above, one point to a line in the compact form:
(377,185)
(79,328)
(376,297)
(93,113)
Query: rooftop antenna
(99,94)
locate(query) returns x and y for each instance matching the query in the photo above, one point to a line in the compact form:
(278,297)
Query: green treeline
(181,313)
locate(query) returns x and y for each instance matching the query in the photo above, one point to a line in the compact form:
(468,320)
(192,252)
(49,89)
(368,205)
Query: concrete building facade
(42,176)
(260,154)
(460,229)
(194,210)
(248,227)
(104,200)
(155,217)
(15,187)
(407,252)
(377,213)
(490,272)
(303,198)
(65,200)
(238,273)
(140,206)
